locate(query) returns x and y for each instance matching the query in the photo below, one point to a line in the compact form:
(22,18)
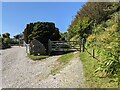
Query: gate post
(80,45)
(49,47)
(83,44)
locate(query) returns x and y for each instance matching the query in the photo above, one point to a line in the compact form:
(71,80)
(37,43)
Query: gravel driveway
(18,71)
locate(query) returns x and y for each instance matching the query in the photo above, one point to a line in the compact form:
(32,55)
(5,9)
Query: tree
(19,38)
(27,31)
(64,36)
(5,40)
(92,13)
(6,35)
(41,31)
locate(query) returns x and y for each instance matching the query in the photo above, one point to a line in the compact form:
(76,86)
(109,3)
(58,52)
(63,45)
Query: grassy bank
(37,57)
(93,79)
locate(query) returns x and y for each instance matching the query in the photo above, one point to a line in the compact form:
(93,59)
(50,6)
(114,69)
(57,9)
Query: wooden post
(80,45)
(49,47)
(83,44)
(19,42)
(63,47)
(93,53)
(26,49)
(83,47)
(73,44)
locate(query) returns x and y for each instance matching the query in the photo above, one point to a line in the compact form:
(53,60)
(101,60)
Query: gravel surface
(18,71)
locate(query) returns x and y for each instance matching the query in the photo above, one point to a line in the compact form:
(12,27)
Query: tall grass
(93,78)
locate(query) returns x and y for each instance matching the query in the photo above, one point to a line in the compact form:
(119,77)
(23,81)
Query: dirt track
(19,71)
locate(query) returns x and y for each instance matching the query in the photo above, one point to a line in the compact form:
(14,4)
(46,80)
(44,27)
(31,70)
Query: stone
(37,48)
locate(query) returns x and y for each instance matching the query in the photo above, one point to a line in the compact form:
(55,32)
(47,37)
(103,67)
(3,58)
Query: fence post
(83,44)
(93,53)
(83,47)
(26,49)
(49,47)
(80,45)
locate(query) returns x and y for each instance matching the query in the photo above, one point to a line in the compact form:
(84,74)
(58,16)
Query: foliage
(91,13)
(99,23)
(82,28)
(64,36)
(27,31)
(6,35)
(66,58)
(5,40)
(108,44)
(91,38)
(18,39)
(95,79)
(18,36)
(13,41)
(75,38)
(41,31)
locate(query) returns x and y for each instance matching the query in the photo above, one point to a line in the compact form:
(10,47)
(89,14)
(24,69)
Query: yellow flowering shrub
(113,28)
(91,38)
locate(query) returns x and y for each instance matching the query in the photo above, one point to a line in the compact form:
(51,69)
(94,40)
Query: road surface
(18,71)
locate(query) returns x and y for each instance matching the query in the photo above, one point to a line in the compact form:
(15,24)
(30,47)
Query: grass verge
(37,57)
(66,58)
(62,61)
(92,78)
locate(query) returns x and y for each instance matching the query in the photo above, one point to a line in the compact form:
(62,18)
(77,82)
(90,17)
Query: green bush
(41,31)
